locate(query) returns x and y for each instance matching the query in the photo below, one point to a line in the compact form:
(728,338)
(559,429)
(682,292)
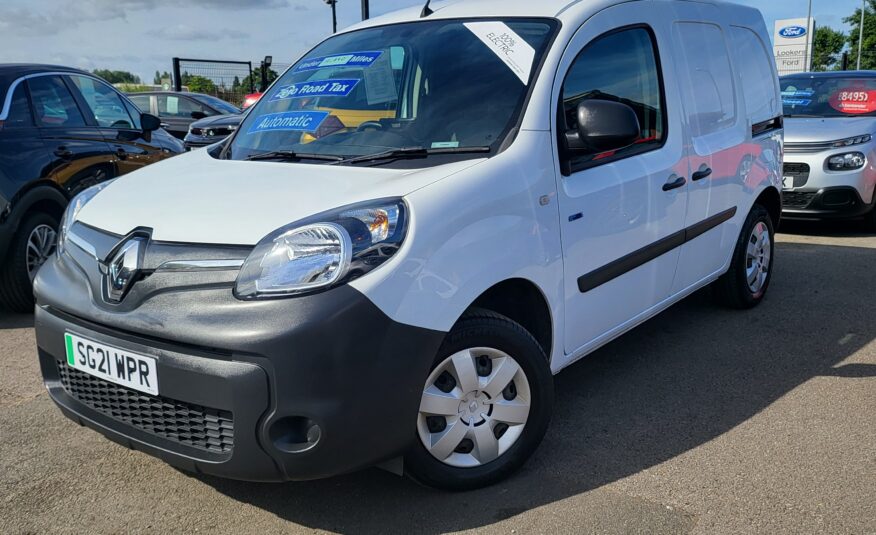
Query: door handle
(63,152)
(674,182)
(702,173)
(163,125)
(121,153)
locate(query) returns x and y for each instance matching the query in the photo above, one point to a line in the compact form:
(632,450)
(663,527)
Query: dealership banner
(792,45)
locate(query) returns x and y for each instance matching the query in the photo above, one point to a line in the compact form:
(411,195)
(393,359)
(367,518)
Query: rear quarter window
(19,111)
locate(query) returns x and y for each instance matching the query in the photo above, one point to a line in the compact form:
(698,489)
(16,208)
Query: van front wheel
(485,406)
(746,282)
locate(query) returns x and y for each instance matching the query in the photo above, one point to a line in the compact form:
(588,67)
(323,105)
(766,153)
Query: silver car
(830,150)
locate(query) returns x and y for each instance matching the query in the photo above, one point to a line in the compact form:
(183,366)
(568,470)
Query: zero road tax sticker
(353,59)
(297,121)
(507,45)
(320,88)
(854,100)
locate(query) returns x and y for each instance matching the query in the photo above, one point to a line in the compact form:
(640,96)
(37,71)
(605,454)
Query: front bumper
(818,192)
(333,359)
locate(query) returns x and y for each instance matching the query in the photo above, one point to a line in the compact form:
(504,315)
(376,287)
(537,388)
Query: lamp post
(861,32)
(365,10)
(333,3)
(808,56)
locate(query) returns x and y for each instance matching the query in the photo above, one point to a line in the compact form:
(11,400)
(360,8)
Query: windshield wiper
(290,156)
(412,152)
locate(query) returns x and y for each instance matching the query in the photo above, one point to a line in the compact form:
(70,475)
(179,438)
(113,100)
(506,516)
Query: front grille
(808,148)
(796,172)
(186,423)
(797,199)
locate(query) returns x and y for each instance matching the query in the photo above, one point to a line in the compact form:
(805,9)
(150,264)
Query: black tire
(16,289)
(732,289)
(482,328)
(870,219)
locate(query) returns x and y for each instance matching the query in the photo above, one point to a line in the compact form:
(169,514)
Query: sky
(141,36)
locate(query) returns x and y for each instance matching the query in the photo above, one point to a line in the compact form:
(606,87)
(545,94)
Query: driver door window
(619,67)
(105,104)
(174,106)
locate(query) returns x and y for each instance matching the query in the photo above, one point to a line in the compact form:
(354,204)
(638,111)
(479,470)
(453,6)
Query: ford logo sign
(792,31)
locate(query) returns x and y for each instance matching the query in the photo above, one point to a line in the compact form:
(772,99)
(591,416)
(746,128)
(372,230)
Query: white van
(421,221)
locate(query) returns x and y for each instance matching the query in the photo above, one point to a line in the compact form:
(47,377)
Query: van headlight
(323,252)
(846,162)
(72,212)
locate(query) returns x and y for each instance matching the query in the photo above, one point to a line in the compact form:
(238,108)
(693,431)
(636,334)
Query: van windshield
(828,97)
(452,89)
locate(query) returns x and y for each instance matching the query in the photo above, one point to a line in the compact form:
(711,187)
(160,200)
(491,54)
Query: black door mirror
(603,126)
(149,122)
(198,115)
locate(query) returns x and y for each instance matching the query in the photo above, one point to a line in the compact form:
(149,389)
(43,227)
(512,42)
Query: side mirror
(149,122)
(603,126)
(198,115)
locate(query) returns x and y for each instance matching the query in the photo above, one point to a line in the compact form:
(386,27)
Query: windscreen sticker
(319,88)
(516,53)
(796,101)
(854,100)
(796,93)
(380,82)
(297,121)
(354,59)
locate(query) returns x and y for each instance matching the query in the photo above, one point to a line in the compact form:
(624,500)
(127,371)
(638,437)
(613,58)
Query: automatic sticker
(296,121)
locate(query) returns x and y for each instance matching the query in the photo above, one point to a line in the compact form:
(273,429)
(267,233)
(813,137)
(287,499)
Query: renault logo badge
(122,268)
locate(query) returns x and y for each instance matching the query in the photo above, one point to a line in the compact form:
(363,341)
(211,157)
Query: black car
(211,130)
(61,131)
(178,110)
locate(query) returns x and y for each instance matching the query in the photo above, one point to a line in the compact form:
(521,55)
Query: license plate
(787,182)
(112,364)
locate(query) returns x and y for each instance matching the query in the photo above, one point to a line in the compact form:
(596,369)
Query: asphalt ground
(703,420)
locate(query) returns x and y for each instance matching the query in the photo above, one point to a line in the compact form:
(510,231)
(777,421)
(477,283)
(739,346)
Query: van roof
(452,9)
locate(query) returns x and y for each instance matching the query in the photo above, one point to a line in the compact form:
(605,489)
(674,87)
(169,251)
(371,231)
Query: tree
(827,47)
(256,78)
(117,77)
(198,84)
(868,55)
(159,76)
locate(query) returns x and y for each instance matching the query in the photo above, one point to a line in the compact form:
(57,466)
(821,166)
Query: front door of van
(720,156)
(622,212)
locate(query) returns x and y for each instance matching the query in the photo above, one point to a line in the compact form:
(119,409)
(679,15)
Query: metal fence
(229,80)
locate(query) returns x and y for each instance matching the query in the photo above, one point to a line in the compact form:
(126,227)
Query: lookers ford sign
(792,45)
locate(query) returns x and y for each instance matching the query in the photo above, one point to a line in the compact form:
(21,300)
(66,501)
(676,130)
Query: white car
(336,287)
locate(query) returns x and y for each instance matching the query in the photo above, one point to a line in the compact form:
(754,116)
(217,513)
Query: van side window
(707,79)
(19,111)
(621,67)
(754,72)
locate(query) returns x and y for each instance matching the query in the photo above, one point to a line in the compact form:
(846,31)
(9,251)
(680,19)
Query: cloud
(184,32)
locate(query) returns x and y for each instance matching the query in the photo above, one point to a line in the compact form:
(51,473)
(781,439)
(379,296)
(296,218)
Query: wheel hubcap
(40,245)
(757,259)
(474,407)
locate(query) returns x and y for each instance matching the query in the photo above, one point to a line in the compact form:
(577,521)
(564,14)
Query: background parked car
(211,130)
(61,130)
(178,110)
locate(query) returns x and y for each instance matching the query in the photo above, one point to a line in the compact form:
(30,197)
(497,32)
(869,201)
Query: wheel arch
(43,196)
(771,199)
(524,302)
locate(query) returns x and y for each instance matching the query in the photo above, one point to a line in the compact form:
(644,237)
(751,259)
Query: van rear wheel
(746,282)
(485,406)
